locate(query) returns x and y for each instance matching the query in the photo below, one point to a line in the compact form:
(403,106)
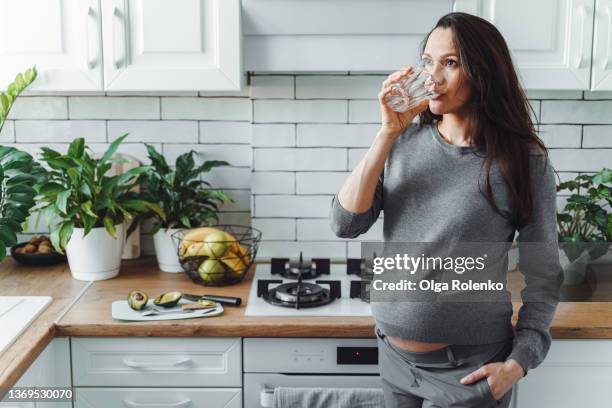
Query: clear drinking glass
(410,91)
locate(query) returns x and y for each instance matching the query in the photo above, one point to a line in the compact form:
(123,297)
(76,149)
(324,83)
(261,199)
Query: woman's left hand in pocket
(500,376)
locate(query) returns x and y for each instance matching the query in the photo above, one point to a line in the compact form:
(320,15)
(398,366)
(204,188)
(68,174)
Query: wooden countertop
(91,314)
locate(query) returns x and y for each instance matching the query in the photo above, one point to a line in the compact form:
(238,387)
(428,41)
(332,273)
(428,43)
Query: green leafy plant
(586,221)
(18,174)
(21,82)
(186,200)
(79,194)
(18,171)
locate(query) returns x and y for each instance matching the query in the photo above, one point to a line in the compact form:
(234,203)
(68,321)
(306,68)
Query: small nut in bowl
(218,255)
(38,251)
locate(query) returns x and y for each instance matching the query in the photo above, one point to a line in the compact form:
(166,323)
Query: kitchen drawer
(157,398)
(156,362)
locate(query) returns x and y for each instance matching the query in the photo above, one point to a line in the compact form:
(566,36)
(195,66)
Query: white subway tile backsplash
(39,107)
(229,177)
(579,112)
(535,113)
(60,131)
(364,111)
(598,95)
(242,201)
(554,94)
(98,107)
(206,108)
(7,135)
(319,183)
(292,206)
(273,135)
(279,229)
(355,156)
(225,132)
(333,250)
(235,218)
(597,136)
(338,87)
(560,135)
(291,111)
(580,159)
(154,131)
(234,154)
(273,182)
(272,87)
(136,150)
(336,135)
(316,159)
(301,132)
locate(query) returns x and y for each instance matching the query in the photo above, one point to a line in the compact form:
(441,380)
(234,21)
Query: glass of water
(410,91)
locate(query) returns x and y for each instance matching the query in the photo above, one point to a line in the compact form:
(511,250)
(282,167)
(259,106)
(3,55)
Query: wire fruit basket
(217,255)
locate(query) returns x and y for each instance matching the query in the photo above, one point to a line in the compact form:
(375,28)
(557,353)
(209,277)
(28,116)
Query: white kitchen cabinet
(336,35)
(550,40)
(575,373)
(60,37)
(50,370)
(158,397)
(164,45)
(602,47)
(156,362)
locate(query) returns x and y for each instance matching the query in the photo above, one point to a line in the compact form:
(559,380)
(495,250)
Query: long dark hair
(498,110)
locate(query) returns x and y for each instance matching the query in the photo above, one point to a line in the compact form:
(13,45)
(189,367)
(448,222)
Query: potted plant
(585,225)
(18,172)
(88,208)
(186,200)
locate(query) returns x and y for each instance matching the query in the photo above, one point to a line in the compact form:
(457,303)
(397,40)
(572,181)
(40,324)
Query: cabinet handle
(91,17)
(118,61)
(152,364)
(134,404)
(608,60)
(583,15)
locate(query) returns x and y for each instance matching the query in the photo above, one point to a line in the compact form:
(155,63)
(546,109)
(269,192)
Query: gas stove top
(315,287)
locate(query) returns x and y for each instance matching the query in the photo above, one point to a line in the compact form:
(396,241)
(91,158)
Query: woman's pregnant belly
(415,346)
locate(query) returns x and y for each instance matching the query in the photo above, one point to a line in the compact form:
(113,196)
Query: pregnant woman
(473,170)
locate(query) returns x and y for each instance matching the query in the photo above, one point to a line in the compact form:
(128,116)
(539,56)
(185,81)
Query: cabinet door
(60,37)
(550,40)
(602,48)
(576,373)
(171,45)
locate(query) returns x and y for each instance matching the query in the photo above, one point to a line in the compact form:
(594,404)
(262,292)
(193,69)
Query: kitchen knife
(225,300)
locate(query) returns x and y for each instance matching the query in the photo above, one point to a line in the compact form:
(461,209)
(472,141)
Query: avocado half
(168,299)
(137,299)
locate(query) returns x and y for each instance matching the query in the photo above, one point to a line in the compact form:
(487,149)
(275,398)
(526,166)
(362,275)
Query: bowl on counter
(217,255)
(38,251)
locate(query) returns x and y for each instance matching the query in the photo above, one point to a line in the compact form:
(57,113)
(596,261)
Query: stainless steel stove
(314,287)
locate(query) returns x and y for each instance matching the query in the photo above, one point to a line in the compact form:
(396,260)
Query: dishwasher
(306,362)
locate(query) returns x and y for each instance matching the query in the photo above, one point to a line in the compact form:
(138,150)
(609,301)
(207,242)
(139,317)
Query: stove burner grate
(298,294)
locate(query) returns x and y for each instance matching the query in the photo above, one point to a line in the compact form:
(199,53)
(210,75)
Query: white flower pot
(96,256)
(166,250)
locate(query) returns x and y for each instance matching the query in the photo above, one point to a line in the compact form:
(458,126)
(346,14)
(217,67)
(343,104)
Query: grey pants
(431,379)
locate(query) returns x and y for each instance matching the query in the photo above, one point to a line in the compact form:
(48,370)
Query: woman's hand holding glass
(394,122)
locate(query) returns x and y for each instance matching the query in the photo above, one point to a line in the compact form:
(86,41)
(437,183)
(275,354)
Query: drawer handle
(154,364)
(266,396)
(134,404)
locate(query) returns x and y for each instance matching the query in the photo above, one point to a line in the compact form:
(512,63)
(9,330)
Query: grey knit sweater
(429,191)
